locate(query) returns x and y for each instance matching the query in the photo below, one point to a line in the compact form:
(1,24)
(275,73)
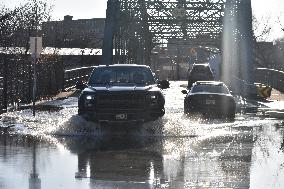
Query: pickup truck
(121,93)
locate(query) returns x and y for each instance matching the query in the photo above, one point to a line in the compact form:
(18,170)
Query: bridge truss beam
(137,26)
(140,25)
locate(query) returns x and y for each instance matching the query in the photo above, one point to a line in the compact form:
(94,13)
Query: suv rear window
(201,69)
(210,89)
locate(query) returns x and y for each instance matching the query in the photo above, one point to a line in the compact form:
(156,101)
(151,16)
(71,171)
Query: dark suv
(211,98)
(121,93)
(200,72)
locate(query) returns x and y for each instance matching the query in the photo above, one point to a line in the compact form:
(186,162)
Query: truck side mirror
(184,91)
(164,84)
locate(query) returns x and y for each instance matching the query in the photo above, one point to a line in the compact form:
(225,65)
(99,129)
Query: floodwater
(58,149)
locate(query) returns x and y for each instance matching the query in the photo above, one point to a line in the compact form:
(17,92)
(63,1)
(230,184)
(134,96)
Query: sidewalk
(276,95)
(60,99)
(274,105)
(53,103)
(66,94)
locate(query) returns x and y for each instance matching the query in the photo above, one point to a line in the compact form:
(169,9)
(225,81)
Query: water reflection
(34,180)
(117,161)
(11,146)
(217,162)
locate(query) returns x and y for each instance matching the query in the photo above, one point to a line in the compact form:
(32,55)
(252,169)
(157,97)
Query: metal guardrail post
(1,94)
(4,107)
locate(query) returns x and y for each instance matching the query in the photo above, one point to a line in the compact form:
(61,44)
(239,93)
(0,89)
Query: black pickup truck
(121,93)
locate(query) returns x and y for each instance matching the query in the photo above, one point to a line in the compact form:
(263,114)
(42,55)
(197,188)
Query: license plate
(121,116)
(210,102)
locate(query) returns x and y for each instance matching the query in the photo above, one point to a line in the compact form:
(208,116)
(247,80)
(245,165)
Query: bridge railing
(1,94)
(272,77)
(53,75)
(71,76)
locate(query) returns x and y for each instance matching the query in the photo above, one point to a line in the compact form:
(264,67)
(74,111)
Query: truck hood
(119,88)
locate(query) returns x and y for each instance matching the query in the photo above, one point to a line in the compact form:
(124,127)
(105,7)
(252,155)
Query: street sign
(35,50)
(35,46)
(179,12)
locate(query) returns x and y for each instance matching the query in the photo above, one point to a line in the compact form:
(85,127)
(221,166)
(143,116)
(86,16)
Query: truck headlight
(89,100)
(90,97)
(153,97)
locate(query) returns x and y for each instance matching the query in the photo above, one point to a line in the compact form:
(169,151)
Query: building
(69,33)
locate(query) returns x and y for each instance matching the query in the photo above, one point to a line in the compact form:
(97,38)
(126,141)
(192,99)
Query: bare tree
(31,17)
(7,24)
(279,21)
(261,28)
(16,27)
(19,24)
(267,54)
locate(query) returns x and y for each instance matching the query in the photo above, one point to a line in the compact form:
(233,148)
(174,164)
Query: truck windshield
(121,75)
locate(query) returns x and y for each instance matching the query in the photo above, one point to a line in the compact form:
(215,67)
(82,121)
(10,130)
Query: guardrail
(1,94)
(77,74)
(52,77)
(271,77)
(1,83)
(243,88)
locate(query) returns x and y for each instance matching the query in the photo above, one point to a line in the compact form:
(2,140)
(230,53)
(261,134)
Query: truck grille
(122,101)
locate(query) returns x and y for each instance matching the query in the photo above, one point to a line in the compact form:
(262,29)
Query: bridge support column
(237,68)
(107,51)
(246,43)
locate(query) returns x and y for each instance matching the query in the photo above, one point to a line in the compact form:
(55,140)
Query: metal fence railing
(16,79)
(77,74)
(1,94)
(54,74)
(1,84)
(271,77)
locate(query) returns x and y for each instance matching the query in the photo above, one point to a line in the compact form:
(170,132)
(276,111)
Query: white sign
(35,46)
(169,68)
(179,12)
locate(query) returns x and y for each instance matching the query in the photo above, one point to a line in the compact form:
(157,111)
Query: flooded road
(58,149)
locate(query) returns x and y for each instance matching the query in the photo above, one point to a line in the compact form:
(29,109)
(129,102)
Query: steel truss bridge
(134,28)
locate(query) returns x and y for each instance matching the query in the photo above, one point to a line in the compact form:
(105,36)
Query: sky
(270,10)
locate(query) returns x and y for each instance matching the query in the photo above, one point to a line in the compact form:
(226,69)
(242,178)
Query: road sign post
(35,49)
